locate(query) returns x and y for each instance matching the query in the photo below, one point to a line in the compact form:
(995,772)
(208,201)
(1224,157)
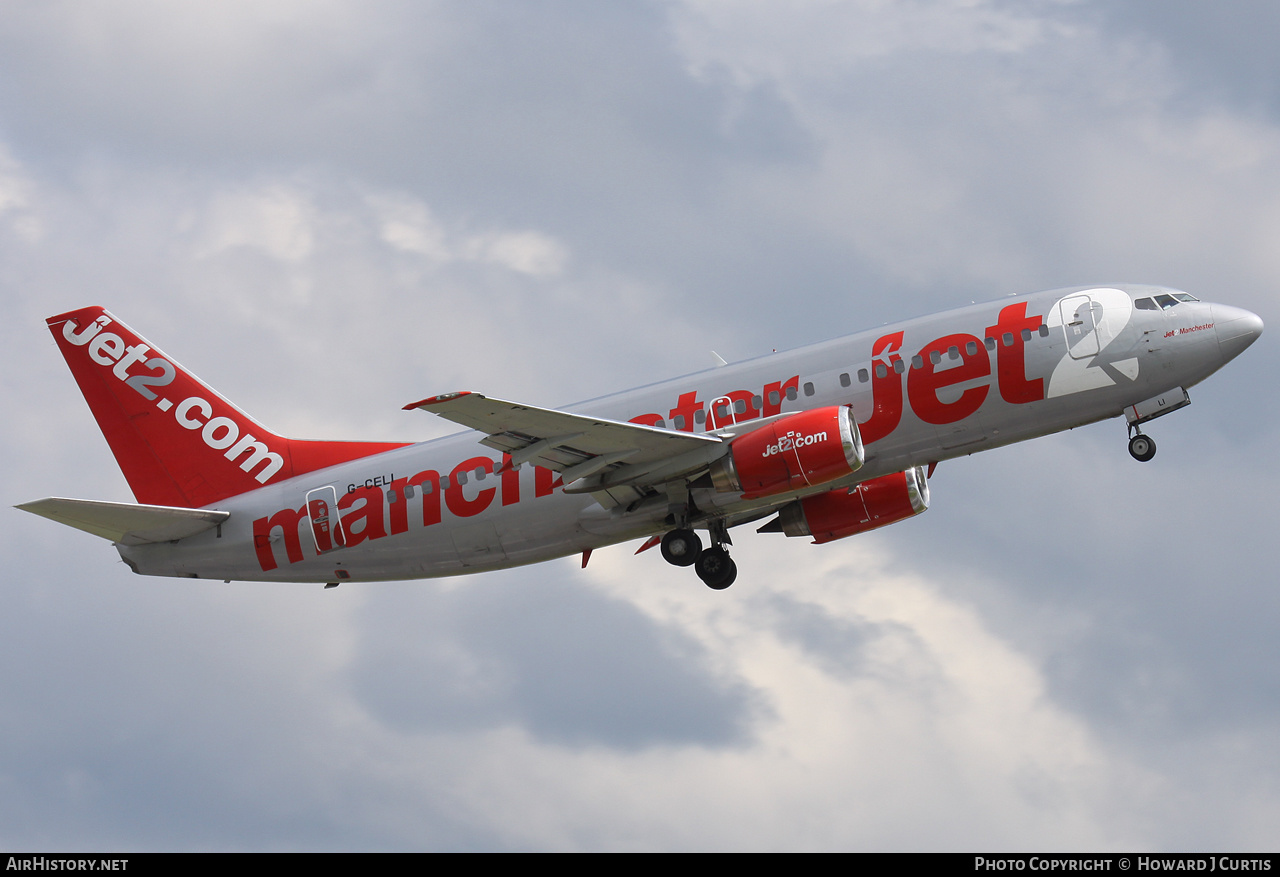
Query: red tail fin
(177,441)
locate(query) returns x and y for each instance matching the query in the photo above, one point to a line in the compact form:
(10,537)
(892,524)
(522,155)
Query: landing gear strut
(1142,448)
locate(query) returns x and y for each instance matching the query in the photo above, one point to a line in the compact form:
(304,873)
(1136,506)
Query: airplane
(825,441)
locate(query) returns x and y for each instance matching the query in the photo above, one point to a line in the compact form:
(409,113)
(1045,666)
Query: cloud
(408,225)
(329,211)
(566,664)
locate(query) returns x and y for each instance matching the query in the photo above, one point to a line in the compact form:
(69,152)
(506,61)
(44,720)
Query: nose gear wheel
(1142,448)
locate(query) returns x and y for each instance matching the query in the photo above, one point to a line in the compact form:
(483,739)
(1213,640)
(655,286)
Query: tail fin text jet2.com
(829,440)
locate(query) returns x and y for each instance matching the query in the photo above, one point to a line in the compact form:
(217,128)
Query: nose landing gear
(1142,447)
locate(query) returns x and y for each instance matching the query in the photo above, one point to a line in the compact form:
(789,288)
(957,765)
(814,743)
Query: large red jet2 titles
(826,441)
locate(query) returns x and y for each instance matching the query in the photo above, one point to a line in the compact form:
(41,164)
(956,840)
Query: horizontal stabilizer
(124,522)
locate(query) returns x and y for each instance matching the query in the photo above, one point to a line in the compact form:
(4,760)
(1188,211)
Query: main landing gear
(714,566)
(681,547)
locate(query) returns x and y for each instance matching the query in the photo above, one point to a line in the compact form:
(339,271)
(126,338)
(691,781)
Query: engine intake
(801,450)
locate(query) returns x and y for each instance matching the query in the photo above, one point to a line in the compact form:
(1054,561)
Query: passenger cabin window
(863,376)
(899,366)
(699,416)
(775,398)
(881,372)
(808,388)
(844,379)
(791,394)
(1044,333)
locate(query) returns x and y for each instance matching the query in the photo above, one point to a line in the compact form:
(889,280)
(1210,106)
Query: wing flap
(124,522)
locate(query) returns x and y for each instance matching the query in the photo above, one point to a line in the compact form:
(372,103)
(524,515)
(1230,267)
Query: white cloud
(817,41)
(527,252)
(275,220)
(227,183)
(15,199)
(409,225)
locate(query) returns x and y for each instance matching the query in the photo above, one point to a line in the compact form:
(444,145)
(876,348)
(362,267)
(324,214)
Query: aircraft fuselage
(922,391)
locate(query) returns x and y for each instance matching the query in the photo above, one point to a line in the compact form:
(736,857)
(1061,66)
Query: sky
(329,209)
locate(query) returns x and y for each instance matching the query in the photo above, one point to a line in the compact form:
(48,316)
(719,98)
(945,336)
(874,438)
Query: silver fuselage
(923,391)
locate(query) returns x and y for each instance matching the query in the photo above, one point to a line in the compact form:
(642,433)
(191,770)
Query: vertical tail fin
(177,441)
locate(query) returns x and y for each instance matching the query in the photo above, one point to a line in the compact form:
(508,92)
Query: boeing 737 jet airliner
(825,441)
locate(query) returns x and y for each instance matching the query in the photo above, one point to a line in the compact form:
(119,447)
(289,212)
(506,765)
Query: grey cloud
(678,205)
(569,665)
(1220,52)
(842,645)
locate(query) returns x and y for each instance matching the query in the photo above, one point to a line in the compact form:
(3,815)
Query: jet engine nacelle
(802,450)
(866,506)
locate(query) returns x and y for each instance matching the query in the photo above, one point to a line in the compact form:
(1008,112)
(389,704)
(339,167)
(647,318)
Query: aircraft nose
(1236,329)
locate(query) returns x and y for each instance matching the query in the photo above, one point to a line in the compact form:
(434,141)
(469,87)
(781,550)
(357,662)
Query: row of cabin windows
(427,487)
(739,407)
(935,356)
(775,398)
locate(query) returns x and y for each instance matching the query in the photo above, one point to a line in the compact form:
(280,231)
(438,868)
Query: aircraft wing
(126,523)
(598,453)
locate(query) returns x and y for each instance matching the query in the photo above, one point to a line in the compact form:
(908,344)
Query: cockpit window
(1162,302)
